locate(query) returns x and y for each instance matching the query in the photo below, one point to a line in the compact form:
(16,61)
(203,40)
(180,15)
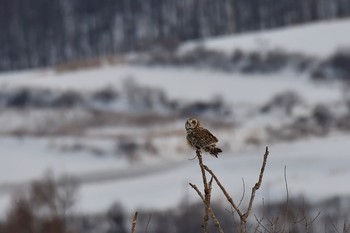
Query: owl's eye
(193,122)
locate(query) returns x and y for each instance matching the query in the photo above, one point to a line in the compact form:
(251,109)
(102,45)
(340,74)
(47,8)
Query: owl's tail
(213,150)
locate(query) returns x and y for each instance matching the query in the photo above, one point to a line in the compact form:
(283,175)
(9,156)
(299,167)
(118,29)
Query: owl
(201,138)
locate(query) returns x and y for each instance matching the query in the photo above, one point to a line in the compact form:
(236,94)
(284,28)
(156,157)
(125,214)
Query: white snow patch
(28,158)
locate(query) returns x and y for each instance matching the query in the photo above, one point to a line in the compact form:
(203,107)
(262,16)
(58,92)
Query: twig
(193,158)
(287,201)
(149,219)
(228,197)
(232,211)
(335,228)
(215,220)
(273,224)
(307,223)
(258,184)
(134,221)
(260,223)
(211,184)
(317,215)
(243,193)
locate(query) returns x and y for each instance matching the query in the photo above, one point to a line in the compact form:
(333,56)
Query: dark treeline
(48,32)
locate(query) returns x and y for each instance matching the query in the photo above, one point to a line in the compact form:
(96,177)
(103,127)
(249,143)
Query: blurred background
(94,96)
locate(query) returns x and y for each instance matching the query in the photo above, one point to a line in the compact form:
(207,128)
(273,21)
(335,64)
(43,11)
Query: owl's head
(192,123)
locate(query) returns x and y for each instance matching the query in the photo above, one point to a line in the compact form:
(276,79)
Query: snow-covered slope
(319,39)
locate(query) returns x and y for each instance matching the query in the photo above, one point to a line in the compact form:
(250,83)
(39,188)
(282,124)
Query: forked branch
(215,220)
(207,191)
(243,216)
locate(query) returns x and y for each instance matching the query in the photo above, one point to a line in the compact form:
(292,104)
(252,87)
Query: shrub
(44,209)
(285,102)
(334,68)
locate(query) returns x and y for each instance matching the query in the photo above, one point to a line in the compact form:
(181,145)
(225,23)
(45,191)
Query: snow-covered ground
(27,158)
(316,167)
(320,39)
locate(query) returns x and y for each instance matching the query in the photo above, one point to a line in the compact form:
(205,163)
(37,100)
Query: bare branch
(258,184)
(260,223)
(232,211)
(134,221)
(149,219)
(243,193)
(228,197)
(197,190)
(287,201)
(213,216)
(207,191)
(211,182)
(317,215)
(335,228)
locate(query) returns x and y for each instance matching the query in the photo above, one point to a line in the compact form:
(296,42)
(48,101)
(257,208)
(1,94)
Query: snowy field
(317,167)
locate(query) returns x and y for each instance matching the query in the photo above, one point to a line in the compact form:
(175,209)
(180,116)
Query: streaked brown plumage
(201,138)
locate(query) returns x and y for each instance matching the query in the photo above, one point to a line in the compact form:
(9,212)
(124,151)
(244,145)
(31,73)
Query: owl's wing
(201,137)
(208,137)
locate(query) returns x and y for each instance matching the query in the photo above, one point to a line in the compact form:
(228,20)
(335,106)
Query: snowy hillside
(320,39)
(120,129)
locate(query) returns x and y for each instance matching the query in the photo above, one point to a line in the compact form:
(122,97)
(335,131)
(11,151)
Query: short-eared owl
(201,138)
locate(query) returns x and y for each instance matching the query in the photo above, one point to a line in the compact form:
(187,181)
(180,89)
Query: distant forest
(39,33)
